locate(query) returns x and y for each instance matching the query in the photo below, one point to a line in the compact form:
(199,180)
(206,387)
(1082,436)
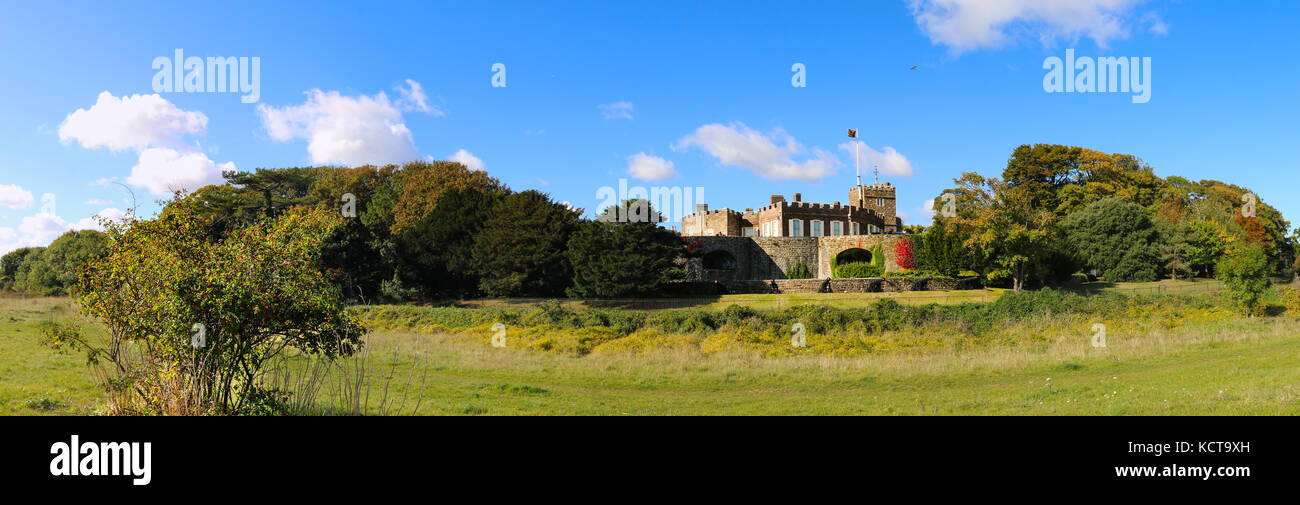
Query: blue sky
(691,94)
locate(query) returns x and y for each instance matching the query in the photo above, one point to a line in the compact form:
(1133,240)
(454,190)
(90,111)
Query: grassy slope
(1230,367)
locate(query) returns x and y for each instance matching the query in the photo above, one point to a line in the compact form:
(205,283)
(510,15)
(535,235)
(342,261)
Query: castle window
(857,228)
(817,228)
(747,231)
(880,202)
(837,228)
(796,227)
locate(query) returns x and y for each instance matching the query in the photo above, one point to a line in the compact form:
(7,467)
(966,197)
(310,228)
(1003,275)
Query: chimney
(777,198)
(701,208)
(797,197)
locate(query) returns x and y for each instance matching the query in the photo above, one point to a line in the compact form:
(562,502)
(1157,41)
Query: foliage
(46,271)
(422,183)
(903,256)
(1008,225)
(800,270)
(1245,272)
(857,270)
(1291,300)
(612,259)
(521,248)
(940,250)
(1117,238)
(436,256)
(192,319)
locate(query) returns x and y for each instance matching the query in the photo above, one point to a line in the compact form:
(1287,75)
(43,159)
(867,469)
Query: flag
(853,134)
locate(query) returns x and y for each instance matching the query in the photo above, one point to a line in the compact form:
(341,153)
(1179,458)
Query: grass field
(1212,366)
(849,300)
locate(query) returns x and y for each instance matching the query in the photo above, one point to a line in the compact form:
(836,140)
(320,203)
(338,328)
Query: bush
(1245,272)
(1291,299)
(858,270)
(800,270)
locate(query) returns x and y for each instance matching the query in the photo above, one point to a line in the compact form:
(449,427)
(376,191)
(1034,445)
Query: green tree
(10,263)
(940,250)
(521,248)
(1007,227)
(50,271)
(437,255)
(191,320)
(1245,272)
(1117,238)
(623,259)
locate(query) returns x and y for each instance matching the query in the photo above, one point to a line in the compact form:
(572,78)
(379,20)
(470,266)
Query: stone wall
(829,247)
(762,258)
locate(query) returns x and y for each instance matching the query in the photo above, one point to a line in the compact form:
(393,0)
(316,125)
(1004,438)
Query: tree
(437,255)
(521,248)
(1006,226)
(421,183)
(941,250)
(191,320)
(631,258)
(1245,272)
(1117,238)
(47,271)
(10,263)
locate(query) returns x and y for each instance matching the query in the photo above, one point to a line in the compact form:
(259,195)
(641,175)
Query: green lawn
(1238,366)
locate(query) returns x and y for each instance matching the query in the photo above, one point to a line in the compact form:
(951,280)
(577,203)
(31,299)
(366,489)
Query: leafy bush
(191,322)
(800,270)
(1291,300)
(1245,272)
(858,270)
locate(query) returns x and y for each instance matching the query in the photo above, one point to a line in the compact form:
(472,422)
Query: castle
(871,210)
(770,242)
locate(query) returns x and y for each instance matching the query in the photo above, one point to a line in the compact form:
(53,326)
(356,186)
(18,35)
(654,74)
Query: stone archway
(853,255)
(719,259)
(829,248)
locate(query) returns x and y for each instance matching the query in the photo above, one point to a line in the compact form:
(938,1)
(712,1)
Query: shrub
(800,270)
(1245,272)
(903,256)
(857,270)
(1291,300)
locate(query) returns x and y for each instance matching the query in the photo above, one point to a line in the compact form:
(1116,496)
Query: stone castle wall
(762,258)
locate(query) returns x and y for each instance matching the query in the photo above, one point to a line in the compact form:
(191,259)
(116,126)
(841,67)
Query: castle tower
(877,197)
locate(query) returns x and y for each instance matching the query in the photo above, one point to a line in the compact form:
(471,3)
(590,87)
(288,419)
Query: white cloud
(468,159)
(91,223)
(770,156)
(163,171)
(650,168)
(131,122)
(344,130)
(156,129)
(967,25)
(414,98)
(15,197)
(41,229)
(927,211)
(617,110)
(890,161)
